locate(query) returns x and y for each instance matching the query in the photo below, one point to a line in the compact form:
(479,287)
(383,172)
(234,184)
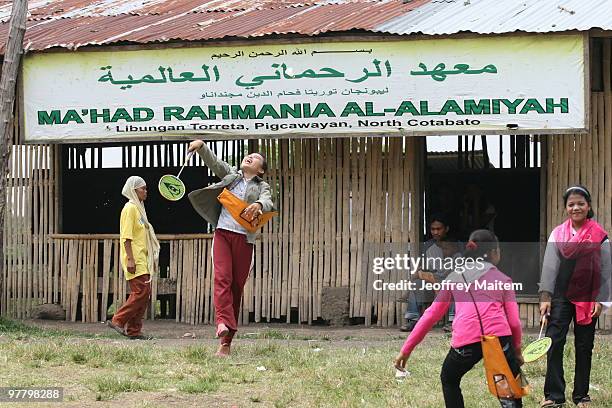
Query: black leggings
(459,361)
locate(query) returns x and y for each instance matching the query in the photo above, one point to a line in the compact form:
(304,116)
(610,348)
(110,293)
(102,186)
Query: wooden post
(8,81)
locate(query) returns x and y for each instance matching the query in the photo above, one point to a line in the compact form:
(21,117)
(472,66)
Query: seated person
(450,251)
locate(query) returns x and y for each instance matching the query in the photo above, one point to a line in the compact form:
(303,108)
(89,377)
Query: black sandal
(584,402)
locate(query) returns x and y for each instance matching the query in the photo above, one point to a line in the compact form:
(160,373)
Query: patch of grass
(196,354)
(132,356)
(349,373)
(201,385)
(272,334)
(20,331)
(45,352)
(244,379)
(78,357)
(106,387)
(268,349)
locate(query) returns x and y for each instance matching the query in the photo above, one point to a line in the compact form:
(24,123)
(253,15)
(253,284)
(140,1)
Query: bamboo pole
(544,177)
(589,143)
(36,244)
(95,310)
(28,235)
(106,267)
(312,215)
(297,207)
(202,280)
(549,181)
(47,263)
(196,280)
(361,181)
(286,203)
(596,166)
(303,257)
(85,282)
(118,278)
(64,274)
(346,201)
(555,185)
(330,186)
(191,281)
(399,242)
(319,158)
(207,270)
(76,280)
(572,162)
(602,208)
(607,135)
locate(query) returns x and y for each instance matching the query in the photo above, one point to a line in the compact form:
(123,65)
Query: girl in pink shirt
(478,284)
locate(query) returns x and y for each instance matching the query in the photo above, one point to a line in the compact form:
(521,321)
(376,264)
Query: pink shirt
(498,310)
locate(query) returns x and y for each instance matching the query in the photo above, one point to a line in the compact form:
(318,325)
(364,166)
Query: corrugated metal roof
(443,17)
(75,23)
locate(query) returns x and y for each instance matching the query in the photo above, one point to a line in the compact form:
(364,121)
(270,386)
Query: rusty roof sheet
(54,9)
(75,23)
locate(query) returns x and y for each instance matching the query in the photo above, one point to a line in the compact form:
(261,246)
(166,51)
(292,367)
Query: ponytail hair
(480,243)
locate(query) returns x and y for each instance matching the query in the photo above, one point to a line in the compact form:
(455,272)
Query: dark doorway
(503,200)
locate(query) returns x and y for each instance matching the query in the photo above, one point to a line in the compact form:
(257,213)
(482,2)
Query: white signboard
(444,86)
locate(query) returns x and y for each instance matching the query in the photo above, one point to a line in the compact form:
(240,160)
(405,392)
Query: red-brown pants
(130,314)
(232,262)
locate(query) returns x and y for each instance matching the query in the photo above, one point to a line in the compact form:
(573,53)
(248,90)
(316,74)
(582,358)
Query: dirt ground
(171,330)
(172,333)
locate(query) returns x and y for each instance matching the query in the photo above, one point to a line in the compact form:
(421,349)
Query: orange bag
(236,207)
(500,380)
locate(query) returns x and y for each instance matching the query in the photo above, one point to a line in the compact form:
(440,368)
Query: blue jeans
(413,311)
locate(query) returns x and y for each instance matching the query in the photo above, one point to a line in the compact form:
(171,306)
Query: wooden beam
(161,237)
(8,81)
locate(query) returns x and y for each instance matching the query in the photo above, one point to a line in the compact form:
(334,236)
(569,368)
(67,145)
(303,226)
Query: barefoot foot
(223,350)
(222,330)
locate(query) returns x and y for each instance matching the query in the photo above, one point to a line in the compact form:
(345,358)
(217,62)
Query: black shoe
(409,326)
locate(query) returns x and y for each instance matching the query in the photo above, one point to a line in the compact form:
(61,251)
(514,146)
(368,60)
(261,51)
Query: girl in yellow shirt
(139,255)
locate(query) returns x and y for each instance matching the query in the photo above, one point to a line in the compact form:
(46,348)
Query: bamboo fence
(337,196)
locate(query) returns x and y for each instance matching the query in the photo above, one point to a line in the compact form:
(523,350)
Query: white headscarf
(129,192)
